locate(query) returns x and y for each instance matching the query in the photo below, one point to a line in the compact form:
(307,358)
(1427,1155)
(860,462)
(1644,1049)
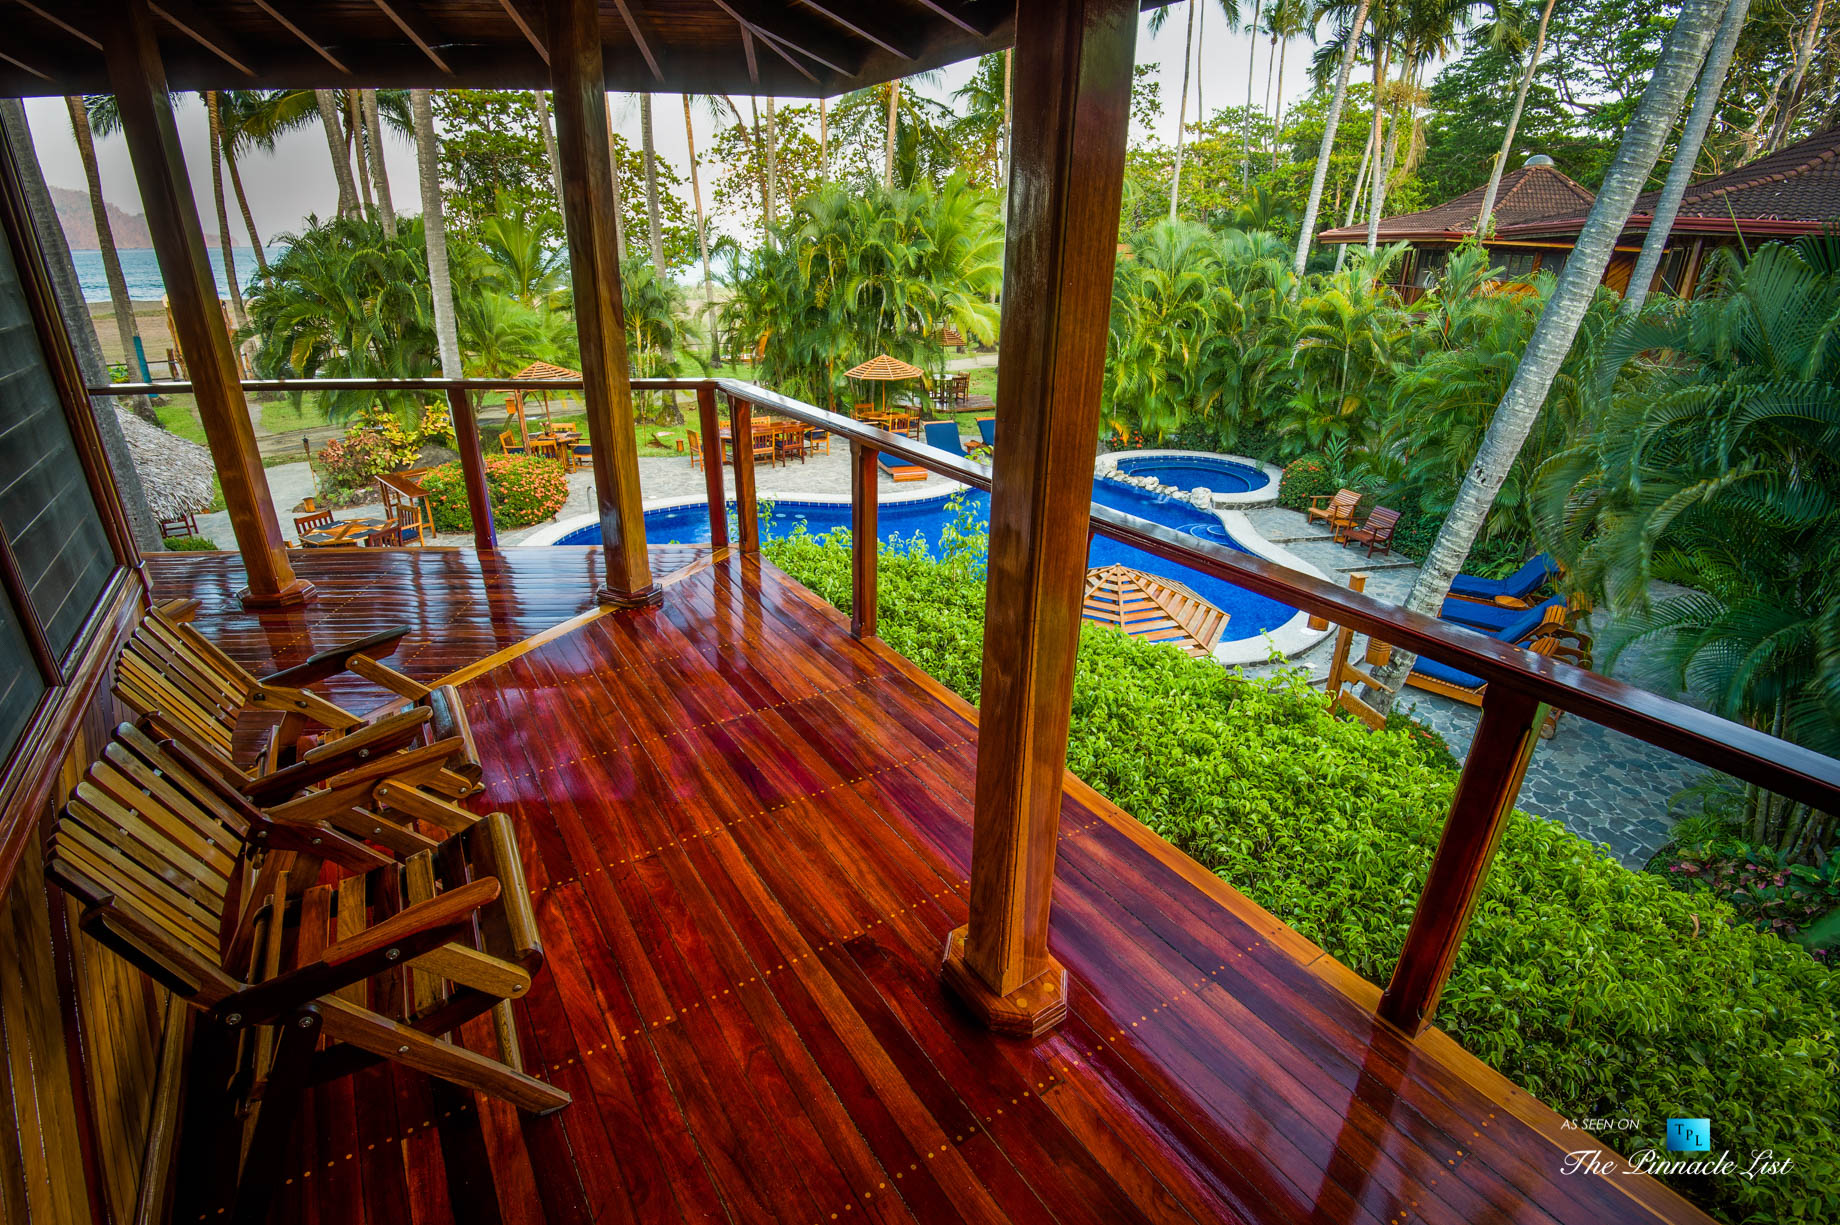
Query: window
(46,509)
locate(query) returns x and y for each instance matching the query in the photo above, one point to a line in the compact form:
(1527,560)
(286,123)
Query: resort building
(653,887)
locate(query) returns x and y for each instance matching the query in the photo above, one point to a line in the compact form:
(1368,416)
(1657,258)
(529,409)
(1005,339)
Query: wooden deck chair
(1336,509)
(509,444)
(900,472)
(312,522)
(189,883)
(1553,637)
(1376,533)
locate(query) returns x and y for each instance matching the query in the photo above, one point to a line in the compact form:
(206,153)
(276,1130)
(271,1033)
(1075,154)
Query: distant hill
(79,222)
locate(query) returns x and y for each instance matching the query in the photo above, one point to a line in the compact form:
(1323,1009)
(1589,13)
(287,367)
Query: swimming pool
(1190,471)
(1250,615)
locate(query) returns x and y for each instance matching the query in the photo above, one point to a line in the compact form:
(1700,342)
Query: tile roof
(1795,189)
(1525,194)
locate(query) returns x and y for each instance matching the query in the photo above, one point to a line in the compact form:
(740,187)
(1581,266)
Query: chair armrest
(338,756)
(338,659)
(386,677)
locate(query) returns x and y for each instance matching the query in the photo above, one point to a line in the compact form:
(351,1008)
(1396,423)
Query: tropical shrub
(1603,991)
(348,465)
(188,544)
(1303,480)
(524,489)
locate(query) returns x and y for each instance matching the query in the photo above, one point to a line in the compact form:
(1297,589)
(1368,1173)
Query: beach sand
(150,319)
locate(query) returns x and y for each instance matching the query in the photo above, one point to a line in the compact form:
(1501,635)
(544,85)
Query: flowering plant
(525,489)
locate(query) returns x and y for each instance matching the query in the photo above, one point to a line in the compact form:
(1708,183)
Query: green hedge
(1604,992)
(525,489)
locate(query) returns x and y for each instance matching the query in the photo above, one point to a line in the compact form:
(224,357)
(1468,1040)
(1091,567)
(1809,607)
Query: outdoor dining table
(344,533)
(768,429)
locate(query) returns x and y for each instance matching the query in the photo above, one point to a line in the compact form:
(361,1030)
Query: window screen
(21,685)
(46,509)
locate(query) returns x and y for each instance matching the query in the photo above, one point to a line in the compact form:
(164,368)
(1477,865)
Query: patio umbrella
(884,369)
(540,370)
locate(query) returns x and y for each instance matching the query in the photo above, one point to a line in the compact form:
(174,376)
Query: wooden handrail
(1746,753)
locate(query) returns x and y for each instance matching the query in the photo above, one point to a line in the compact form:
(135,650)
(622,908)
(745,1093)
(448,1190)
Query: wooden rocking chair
(183,877)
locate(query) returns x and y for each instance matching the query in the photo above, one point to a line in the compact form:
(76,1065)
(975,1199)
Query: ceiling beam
(202,30)
(747,47)
(287,23)
(774,46)
(809,36)
(526,28)
(20,64)
(416,28)
(51,15)
(856,19)
(977,17)
(639,26)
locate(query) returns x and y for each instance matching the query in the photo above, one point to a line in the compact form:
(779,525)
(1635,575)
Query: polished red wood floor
(747,836)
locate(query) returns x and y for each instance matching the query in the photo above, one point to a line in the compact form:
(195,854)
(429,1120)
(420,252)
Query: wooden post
(139,80)
(1485,794)
(472,467)
(712,464)
(588,207)
(741,442)
(863,539)
(1072,108)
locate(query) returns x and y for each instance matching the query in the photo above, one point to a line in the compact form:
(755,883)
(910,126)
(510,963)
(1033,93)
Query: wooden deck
(747,835)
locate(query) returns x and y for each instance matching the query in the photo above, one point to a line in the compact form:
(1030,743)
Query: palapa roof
(781,48)
(1524,194)
(1153,608)
(175,472)
(543,370)
(1795,190)
(885,369)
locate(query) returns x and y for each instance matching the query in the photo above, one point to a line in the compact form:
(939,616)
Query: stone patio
(1605,787)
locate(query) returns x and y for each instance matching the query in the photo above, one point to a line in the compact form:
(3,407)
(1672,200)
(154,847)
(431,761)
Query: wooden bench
(179,874)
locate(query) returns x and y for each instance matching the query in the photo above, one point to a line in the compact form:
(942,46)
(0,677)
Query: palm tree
(434,228)
(1321,176)
(772,167)
(1686,155)
(1188,50)
(235,107)
(1514,118)
(1286,20)
(1252,55)
(328,104)
(380,175)
(824,137)
(654,229)
(1804,52)
(354,141)
(1552,337)
(549,143)
(125,326)
(696,199)
(894,110)
(212,111)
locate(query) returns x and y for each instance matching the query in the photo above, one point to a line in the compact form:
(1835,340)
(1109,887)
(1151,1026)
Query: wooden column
(711,442)
(741,443)
(864,536)
(1072,108)
(1485,794)
(472,467)
(139,81)
(589,209)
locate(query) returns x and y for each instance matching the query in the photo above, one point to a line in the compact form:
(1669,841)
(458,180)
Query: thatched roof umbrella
(540,370)
(884,369)
(175,473)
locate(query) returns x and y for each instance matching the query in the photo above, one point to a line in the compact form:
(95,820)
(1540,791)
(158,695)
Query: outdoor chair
(816,436)
(1513,591)
(221,904)
(411,520)
(312,522)
(900,472)
(987,430)
(509,444)
(959,388)
(944,436)
(694,444)
(582,453)
(1337,510)
(183,524)
(1549,634)
(1496,618)
(1376,533)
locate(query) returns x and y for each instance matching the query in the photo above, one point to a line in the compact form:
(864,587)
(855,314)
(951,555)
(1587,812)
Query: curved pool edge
(1264,495)
(574,523)
(1293,637)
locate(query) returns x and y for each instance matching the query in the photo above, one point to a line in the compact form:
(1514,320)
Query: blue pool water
(1249,614)
(1195,472)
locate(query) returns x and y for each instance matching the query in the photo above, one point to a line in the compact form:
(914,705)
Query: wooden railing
(1521,685)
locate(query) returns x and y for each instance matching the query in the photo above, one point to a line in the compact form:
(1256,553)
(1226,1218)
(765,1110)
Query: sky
(284,187)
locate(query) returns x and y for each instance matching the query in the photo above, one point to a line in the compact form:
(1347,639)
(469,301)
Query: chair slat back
(312,522)
(1344,502)
(170,669)
(1382,519)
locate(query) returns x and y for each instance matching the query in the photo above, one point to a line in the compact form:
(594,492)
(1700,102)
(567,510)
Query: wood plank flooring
(746,836)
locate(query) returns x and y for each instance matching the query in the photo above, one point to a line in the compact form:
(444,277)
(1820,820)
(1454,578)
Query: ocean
(142,272)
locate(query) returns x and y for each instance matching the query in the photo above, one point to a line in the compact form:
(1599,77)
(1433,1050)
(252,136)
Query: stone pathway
(1606,787)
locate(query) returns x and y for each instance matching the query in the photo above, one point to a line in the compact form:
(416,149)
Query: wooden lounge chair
(170,671)
(219,903)
(1497,618)
(1511,592)
(944,436)
(900,472)
(987,430)
(1376,533)
(1550,635)
(1336,510)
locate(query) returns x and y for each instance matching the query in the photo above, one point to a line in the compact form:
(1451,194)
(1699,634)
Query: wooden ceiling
(787,48)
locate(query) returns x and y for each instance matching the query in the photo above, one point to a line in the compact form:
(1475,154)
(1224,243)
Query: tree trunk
(549,143)
(824,138)
(125,326)
(335,145)
(772,167)
(380,174)
(242,203)
(354,118)
(696,198)
(41,213)
(1558,325)
(224,242)
(894,111)
(1007,135)
(1305,236)
(1686,156)
(1803,54)
(1375,186)
(654,229)
(619,202)
(1252,61)
(1514,122)
(1188,48)
(1278,48)
(1354,196)
(434,231)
